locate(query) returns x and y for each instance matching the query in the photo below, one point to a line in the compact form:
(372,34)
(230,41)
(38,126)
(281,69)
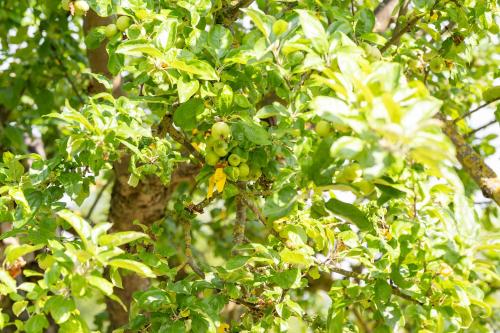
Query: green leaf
(100,283)
(313,30)
(335,320)
(287,279)
(365,21)
(120,238)
(262,21)
(295,257)
(133,266)
(200,68)
(237,262)
(13,252)
(186,89)
(491,94)
(255,133)
(383,290)
(138,48)
(18,307)
(36,324)
(347,147)
(350,213)
(60,308)
(167,34)
(8,281)
(82,227)
(185,115)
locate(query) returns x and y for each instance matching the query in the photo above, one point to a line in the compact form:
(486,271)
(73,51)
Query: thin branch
(198,208)
(239,224)
(397,35)
(97,199)
(66,74)
(166,126)
(471,133)
(395,290)
(475,110)
(360,320)
(250,204)
(188,250)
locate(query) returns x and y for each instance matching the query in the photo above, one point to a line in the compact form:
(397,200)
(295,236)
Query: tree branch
(472,162)
(239,225)
(230,14)
(97,199)
(395,290)
(471,133)
(188,250)
(397,35)
(475,110)
(166,126)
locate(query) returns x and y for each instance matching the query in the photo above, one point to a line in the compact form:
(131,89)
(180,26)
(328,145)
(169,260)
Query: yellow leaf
(195,146)
(218,180)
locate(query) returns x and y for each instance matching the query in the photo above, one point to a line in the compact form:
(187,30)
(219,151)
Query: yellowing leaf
(223,328)
(217,180)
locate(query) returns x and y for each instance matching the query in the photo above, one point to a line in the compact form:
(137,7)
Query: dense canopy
(249,166)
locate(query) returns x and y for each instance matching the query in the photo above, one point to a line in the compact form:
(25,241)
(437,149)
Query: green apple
(211,141)
(220,148)
(221,130)
(81,6)
(350,173)
(243,154)
(65,4)
(280,27)
(110,30)
(211,158)
(244,170)
(123,22)
(234,159)
(323,128)
(437,65)
(232,172)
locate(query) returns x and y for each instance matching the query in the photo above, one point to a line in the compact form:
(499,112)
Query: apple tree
(249,166)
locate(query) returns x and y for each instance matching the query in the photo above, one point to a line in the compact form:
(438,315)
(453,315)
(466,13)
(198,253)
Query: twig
(360,320)
(250,204)
(397,35)
(166,126)
(188,250)
(198,208)
(475,110)
(230,15)
(97,199)
(395,290)
(65,73)
(471,133)
(241,217)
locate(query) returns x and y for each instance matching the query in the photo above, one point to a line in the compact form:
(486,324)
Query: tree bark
(472,162)
(383,14)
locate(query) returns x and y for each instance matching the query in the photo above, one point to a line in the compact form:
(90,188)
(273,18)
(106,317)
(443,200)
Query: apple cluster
(217,153)
(122,23)
(80,7)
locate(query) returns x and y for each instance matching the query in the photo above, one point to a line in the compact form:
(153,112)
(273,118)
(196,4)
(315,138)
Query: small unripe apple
(81,6)
(221,130)
(350,173)
(323,128)
(437,65)
(211,141)
(234,160)
(244,170)
(211,158)
(110,30)
(65,4)
(280,27)
(123,22)
(232,172)
(220,148)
